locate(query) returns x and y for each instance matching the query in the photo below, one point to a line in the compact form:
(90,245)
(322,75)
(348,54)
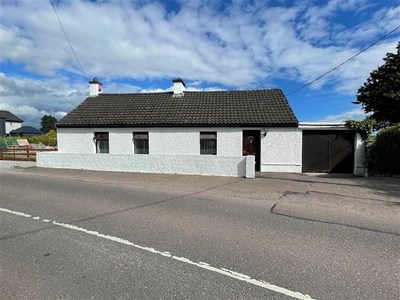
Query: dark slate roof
(219,108)
(26,130)
(5,114)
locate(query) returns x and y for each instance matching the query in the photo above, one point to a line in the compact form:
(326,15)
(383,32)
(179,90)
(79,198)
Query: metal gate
(328,151)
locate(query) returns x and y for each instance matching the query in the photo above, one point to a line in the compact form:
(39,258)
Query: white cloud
(237,47)
(354,114)
(31,99)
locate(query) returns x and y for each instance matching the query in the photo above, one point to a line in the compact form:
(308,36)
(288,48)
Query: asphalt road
(68,234)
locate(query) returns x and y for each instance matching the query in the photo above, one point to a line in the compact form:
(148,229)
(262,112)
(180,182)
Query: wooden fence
(21,154)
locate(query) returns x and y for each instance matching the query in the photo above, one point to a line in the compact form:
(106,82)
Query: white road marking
(15,212)
(202,265)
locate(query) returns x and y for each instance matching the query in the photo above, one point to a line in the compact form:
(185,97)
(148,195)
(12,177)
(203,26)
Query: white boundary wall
(235,166)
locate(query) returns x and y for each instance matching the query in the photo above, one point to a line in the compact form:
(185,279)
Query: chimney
(95,87)
(179,86)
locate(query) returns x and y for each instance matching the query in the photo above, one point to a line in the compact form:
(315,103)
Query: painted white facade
(11,126)
(176,150)
(162,141)
(281,150)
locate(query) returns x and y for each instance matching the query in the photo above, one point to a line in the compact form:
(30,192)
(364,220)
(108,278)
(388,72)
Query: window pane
(208,135)
(142,147)
(208,147)
(208,143)
(102,145)
(141,135)
(101,135)
(141,142)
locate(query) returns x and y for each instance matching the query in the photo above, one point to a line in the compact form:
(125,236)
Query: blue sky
(140,46)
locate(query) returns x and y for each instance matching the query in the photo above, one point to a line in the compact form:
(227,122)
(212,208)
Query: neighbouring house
(227,133)
(8,122)
(26,131)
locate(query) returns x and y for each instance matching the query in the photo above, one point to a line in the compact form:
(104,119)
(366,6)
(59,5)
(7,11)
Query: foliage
(48,123)
(49,139)
(384,155)
(380,94)
(364,127)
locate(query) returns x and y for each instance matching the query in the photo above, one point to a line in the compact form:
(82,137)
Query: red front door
(251,145)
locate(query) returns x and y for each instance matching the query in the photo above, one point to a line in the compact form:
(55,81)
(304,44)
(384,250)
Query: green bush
(384,154)
(49,139)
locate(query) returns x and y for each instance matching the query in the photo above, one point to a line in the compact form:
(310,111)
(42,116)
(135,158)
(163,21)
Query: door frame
(257,139)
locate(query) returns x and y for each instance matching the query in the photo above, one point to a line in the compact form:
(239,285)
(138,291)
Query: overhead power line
(79,96)
(66,36)
(330,71)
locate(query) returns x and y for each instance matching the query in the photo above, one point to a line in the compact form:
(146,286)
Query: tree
(48,123)
(380,94)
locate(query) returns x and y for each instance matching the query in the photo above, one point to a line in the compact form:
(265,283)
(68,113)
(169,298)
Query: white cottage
(228,133)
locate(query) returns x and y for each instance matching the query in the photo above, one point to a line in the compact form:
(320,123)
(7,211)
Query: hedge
(384,154)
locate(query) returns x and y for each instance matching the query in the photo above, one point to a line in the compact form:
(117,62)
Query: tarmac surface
(330,236)
(338,198)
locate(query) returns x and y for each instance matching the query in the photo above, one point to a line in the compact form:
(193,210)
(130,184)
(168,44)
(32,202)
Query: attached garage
(328,151)
(330,148)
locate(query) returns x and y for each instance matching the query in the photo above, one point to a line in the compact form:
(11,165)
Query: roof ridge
(188,91)
(252,90)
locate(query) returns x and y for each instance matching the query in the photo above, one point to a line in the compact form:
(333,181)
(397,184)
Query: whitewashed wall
(76,140)
(234,166)
(359,156)
(12,126)
(171,150)
(171,141)
(281,150)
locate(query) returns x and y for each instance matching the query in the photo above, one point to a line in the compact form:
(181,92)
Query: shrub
(384,154)
(49,139)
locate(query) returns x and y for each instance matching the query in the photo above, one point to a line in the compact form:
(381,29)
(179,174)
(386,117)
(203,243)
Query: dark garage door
(328,151)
